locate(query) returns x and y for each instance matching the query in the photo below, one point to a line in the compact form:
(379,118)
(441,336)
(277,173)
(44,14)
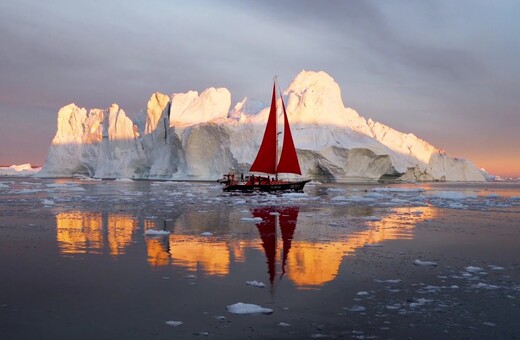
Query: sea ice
(48,202)
(255,284)
(251,219)
(247,308)
(388,281)
(206,233)
(484,286)
(471,269)
(424,263)
(153,232)
(174,323)
(355,309)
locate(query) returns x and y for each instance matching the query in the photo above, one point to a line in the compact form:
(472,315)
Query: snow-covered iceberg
(199,136)
(19,170)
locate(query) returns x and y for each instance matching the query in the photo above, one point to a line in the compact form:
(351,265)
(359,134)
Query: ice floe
(356,308)
(424,263)
(174,323)
(247,308)
(255,284)
(153,232)
(251,219)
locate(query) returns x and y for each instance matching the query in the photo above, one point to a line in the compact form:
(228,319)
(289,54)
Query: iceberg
(192,136)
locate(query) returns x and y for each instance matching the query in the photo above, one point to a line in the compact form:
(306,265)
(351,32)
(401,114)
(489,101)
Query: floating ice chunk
(48,202)
(494,267)
(251,219)
(206,233)
(371,218)
(490,324)
(237,202)
(375,195)
(424,263)
(255,284)
(395,306)
(362,293)
(388,281)
(419,302)
(295,195)
(355,309)
(248,308)
(338,198)
(335,190)
(284,324)
(471,269)
(174,323)
(485,286)
(153,232)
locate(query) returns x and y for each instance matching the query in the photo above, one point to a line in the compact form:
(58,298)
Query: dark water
(339,261)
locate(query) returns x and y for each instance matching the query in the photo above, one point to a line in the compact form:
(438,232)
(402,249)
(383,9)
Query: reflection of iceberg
(80,232)
(312,264)
(192,252)
(286,217)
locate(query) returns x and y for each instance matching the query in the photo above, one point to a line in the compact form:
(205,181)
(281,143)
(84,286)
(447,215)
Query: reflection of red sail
(288,217)
(267,230)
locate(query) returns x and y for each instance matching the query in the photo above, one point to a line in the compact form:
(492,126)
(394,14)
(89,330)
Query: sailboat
(267,161)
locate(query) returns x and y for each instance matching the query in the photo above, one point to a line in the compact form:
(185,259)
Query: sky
(446,71)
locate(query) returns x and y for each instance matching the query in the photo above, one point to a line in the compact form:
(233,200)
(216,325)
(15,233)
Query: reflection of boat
(267,159)
(287,217)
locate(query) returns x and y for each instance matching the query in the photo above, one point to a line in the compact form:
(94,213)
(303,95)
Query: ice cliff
(199,136)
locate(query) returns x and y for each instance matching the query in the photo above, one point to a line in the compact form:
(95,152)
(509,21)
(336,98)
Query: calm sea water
(119,259)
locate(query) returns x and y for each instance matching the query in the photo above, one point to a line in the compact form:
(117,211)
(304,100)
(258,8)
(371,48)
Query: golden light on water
(308,264)
(84,232)
(193,252)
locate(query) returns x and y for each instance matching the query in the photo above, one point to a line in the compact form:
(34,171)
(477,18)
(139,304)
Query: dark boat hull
(278,186)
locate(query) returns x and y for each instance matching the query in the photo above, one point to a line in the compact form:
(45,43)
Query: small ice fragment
(494,267)
(491,324)
(419,302)
(255,284)
(190,277)
(153,232)
(472,269)
(362,293)
(395,306)
(206,233)
(355,308)
(220,317)
(247,308)
(424,263)
(251,219)
(48,202)
(485,286)
(388,281)
(284,324)
(174,323)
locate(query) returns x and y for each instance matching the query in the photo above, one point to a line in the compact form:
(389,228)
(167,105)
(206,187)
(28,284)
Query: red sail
(266,158)
(289,159)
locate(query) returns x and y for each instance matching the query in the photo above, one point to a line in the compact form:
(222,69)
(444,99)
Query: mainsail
(266,159)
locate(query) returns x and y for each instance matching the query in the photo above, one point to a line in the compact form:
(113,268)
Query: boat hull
(267,187)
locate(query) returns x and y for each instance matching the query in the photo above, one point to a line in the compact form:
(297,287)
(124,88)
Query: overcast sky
(447,71)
